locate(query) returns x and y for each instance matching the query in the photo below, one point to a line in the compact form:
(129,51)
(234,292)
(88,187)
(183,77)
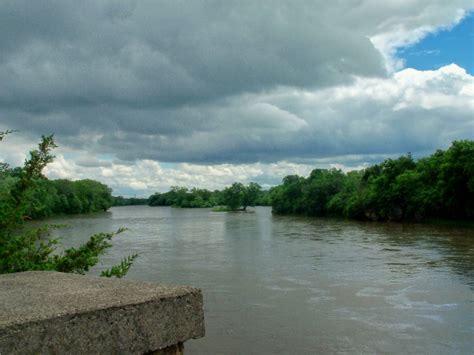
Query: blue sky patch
(455,45)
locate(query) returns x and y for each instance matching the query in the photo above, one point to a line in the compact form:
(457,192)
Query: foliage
(264,198)
(238,196)
(22,248)
(128,201)
(121,269)
(87,255)
(184,198)
(50,197)
(233,197)
(438,186)
(251,194)
(288,197)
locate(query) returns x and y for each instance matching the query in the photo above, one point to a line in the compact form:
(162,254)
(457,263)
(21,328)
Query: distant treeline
(51,197)
(236,196)
(128,201)
(438,186)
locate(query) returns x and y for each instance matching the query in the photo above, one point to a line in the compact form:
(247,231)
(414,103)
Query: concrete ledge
(51,312)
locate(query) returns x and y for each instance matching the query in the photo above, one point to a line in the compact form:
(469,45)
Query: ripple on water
(302,285)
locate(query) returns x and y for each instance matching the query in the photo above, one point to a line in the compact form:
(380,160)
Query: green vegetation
(185,198)
(52,197)
(121,269)
(240,196)
(235,197)
(128,201)
(440,186)
(24,192)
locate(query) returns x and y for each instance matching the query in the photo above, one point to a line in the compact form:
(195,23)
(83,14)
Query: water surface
(302,285)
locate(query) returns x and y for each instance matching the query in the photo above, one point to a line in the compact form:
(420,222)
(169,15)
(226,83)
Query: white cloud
(146,176)
(412,21)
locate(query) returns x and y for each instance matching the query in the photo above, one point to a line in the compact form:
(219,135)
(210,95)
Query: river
(294,285)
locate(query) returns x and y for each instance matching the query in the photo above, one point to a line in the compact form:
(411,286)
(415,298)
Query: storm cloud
(170,53)
(228,82)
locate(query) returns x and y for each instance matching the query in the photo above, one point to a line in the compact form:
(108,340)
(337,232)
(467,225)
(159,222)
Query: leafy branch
(121,269)
(23,249)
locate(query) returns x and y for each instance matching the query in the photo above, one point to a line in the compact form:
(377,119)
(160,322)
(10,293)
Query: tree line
(235,197)
(128,201)
(52,197)
(440,186)
(403,189)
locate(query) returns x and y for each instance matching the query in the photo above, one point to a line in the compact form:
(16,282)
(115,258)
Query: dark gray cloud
(170,53)
(219,81)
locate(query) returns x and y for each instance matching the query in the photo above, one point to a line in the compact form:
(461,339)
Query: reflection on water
(302,285)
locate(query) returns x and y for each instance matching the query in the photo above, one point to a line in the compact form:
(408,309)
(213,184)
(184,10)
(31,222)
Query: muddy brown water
(291,285)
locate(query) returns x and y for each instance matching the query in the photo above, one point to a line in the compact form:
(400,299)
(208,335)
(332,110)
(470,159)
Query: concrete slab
(51,312)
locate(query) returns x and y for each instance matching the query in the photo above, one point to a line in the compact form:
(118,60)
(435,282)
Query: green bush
(24,249)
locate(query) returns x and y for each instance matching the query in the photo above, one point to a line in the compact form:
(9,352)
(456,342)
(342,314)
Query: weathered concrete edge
(94,309)
(40,295)
(158,323)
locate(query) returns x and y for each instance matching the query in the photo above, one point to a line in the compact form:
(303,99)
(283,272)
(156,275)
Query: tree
(250,195)
(233,196)
(348,202)
(319,188)
(287,197)
(23,249)
(457,174)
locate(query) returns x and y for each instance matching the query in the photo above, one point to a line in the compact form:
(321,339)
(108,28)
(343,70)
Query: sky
(439,48)
(144,95)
